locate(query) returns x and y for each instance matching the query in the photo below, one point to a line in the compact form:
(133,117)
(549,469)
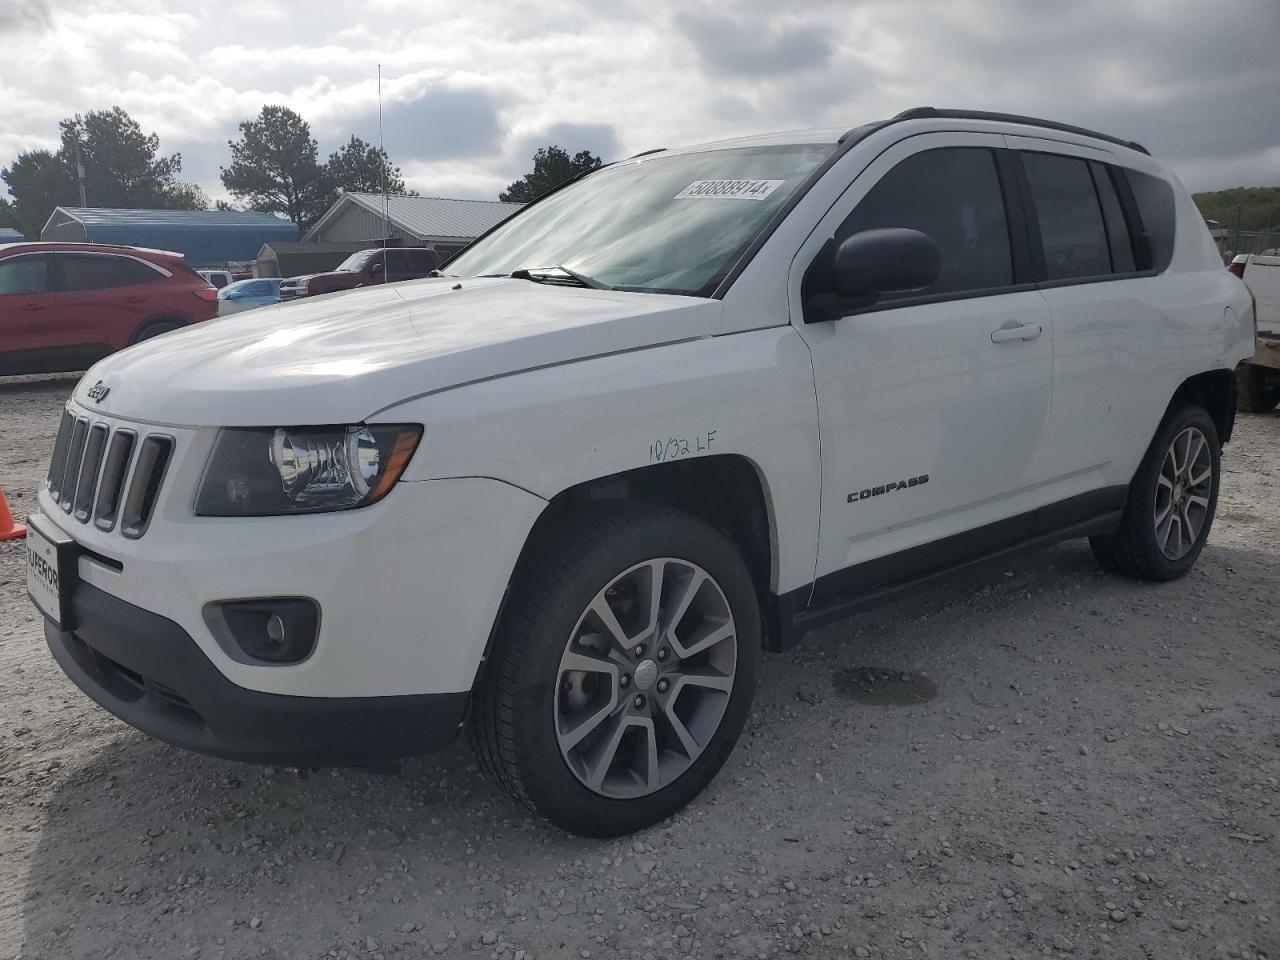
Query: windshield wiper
(544,275)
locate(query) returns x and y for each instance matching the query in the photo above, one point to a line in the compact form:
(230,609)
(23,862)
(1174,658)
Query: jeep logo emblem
(98,392)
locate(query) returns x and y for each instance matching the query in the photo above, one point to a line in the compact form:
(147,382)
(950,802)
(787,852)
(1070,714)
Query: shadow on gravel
(148,851)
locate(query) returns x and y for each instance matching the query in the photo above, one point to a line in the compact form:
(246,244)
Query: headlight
(259,473)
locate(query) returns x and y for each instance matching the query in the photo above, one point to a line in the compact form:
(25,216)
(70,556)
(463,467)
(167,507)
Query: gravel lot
(1042,760)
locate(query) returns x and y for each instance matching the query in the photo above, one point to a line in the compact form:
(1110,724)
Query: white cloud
(469,89)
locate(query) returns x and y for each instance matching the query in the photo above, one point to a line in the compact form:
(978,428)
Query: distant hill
(1259,207)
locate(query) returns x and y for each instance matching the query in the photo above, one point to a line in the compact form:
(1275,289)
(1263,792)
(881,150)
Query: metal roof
(204,237)
(428,218)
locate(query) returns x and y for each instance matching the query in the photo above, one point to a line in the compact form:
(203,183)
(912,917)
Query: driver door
(932,405)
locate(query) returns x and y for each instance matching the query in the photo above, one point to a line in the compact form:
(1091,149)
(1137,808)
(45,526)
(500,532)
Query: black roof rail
(645,153)
(926,113)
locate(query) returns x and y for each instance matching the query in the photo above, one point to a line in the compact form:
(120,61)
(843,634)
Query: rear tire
(1259,388)
(154,329)
(1171,504)
(605,724)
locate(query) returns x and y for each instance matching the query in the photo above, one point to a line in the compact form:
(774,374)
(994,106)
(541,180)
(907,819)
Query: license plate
(51,570)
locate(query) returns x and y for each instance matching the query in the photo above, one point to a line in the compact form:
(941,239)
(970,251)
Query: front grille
(104,473)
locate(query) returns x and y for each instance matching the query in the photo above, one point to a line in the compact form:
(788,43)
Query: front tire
(1171,503)
(623,672)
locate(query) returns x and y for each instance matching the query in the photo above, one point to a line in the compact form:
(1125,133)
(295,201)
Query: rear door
(1109,310)
(105,297)
(29,319)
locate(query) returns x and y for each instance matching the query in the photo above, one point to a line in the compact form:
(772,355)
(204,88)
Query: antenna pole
(386,199)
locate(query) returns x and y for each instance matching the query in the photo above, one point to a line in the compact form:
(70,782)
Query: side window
(1113,214)
(98,271)
(1154,198)
(953,195)
(397,262)
(1066,205)
(423,260)
(24,275)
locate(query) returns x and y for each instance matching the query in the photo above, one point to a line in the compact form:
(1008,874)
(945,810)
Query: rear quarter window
(1154,199)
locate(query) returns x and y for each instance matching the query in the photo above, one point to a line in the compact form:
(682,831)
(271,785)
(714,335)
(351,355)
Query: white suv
(682,409)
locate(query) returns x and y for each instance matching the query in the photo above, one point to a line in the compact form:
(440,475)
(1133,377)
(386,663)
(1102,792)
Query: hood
(343,357)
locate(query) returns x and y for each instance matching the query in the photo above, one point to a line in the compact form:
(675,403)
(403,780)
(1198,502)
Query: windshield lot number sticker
(729,189)
(673,448)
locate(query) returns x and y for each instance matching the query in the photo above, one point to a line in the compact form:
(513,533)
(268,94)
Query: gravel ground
(1036,761)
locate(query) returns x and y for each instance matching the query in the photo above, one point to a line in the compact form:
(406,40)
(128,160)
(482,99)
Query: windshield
(356,262)
(670,224)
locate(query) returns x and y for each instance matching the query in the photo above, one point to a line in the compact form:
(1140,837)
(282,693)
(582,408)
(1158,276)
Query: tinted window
(97,271)
(953,195)
(29,274)
(1154,198)
(397,262)
(422,261)
(1113,215)
(1071,228)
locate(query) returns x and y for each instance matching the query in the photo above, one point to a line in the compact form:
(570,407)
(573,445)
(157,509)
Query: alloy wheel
(645,678)
(1183,491)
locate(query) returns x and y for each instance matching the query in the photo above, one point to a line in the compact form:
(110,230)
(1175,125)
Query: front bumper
(150,673)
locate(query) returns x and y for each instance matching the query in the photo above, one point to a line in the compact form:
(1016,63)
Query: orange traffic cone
(8,529)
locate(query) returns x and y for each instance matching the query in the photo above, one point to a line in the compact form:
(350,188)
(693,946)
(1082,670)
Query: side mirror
(375,269)
(887,260)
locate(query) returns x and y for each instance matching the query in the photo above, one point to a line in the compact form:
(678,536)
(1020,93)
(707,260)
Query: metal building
(208,238)
(448,225)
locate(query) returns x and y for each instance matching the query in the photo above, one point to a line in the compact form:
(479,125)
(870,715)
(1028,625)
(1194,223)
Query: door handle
(31,307)
(1014,332)
(133,299)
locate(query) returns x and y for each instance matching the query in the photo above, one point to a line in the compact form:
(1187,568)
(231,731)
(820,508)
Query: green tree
(275,167)
(552,166)
(1258,207)
(122,169)
(360,167)
(38,181)
(7,216)
(122,165)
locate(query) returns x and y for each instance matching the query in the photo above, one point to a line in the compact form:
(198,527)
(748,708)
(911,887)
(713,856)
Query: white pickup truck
(674,413)
(1260,374)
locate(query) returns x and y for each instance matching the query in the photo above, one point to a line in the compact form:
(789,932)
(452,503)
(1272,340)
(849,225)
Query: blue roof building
(208,238)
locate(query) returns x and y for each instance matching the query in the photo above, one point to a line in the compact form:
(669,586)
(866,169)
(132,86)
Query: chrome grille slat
(87,484)
(108,473)
(58,462)
(114,472)
(75,456)
(144,487)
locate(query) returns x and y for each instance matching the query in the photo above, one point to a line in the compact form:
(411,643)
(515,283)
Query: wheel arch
(728,491)
(143,326)
(1216,391)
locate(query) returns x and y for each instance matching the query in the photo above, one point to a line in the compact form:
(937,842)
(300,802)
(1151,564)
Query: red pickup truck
(366,267)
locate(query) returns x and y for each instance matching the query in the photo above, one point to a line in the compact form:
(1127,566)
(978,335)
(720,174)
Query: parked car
(679,411)
(219,278)
(365,267)
(1260,374)
(247,294)
(64,306)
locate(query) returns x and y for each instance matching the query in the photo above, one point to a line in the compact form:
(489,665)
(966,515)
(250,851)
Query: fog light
(266,631)
(275,628)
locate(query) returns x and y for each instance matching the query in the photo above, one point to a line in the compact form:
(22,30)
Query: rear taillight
(1238,264)
(209,293)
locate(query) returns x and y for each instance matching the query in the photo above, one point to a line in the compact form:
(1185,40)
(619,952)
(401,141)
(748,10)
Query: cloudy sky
(472,88)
